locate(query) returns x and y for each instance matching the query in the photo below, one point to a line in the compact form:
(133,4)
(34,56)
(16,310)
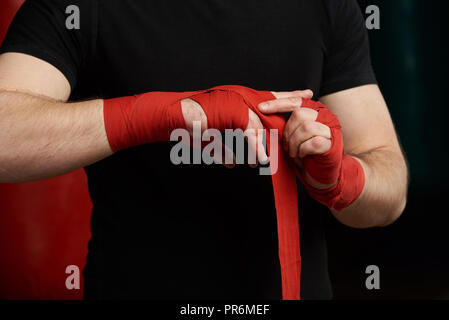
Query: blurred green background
(409,56)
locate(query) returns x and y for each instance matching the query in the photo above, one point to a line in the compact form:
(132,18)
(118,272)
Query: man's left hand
(303,135)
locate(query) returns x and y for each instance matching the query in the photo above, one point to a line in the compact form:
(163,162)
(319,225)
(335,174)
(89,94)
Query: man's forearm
(42,138)
(384,195)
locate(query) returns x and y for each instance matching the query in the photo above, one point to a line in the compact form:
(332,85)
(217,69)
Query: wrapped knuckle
(310,113)
(308,126)
(305,149)
(318,143)
(297,135)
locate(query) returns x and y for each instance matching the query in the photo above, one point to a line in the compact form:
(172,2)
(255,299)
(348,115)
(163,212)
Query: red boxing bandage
(136,120)
(224,109)
(333,166)
(151,117)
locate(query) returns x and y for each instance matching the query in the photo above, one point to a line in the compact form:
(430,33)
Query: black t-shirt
(195,231)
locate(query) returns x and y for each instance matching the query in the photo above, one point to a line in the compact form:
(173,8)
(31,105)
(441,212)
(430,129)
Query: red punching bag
(44,227)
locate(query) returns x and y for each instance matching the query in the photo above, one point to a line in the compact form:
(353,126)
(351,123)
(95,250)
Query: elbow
(396,212)
(385,214)
(398,206)
(7,177)
(10,168)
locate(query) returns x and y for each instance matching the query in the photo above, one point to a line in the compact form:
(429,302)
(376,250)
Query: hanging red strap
(285,194)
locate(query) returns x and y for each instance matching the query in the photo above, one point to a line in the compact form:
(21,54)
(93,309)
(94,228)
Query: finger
(225,156)
(254,121)
(305,94)
(225,160)
(255,143)
(314,146)
(257,153)
(280,105)
(297,118)
(305,132)
(252,145)
(262,156)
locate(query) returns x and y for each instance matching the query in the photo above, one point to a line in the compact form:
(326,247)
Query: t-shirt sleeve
(39,29)
(347,61)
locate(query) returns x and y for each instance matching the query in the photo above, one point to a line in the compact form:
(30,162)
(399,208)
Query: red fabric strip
(285,194)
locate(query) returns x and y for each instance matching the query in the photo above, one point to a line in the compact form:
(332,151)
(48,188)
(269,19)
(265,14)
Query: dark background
(409,55)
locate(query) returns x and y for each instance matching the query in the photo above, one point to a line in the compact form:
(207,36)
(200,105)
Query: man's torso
(196,231)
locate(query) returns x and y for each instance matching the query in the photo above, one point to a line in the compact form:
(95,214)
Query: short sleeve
(39,29)
(347,61)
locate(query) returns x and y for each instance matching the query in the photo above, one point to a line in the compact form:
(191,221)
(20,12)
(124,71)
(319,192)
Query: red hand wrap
(144,118)
(333,166)
(224,109)
(150,117)
(285,195)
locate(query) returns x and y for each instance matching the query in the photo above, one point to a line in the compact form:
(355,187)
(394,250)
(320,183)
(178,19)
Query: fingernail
(263,106)
(265,160)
